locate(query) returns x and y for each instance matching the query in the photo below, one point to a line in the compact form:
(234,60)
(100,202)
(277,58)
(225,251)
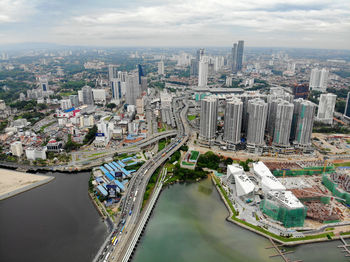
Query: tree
(71,145)
(89,137)
(111,106)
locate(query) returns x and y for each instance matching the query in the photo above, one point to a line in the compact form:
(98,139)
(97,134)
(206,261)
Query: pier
(280,253)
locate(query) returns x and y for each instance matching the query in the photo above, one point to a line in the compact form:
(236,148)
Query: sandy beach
(14,182)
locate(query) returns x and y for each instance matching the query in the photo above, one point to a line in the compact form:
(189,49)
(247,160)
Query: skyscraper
(237,56)
(203,72)
(140,72)
(88,98)
(44,83)
(116,89)
(283,123)
(74,100)
(233,121)
(326,108)
(257,110)
(195,62)
(161,68)
(347,107)
(112,72)
(303,119)
(133,88)
(208,118)
(319,79)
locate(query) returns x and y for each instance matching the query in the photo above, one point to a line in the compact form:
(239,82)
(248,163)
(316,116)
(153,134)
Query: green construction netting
(289,217)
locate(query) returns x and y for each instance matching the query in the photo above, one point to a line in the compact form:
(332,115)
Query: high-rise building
(161,68)
(133,88)
(99,95)
(208,118)
(112,72)
(257,111)
(203,72)
(116,89)
(326,108)
(347,107)
(283,123)
(16,148)
(195,62)
(74,100)
(140,72)
(233,121)
(144,83)
(44,83)
(319,79)
(303,119)
(66,104)
(237,56)
(87,95)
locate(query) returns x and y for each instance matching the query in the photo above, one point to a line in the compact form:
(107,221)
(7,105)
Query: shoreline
(26,188)
(285,243)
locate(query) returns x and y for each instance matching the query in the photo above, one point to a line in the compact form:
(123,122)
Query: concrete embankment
(289,243)
(26,188)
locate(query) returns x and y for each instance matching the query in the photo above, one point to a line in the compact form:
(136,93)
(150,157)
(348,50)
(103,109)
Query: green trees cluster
(89,137)
(184,174)
(71,145)
(209,160)
(175,157)
(245,164)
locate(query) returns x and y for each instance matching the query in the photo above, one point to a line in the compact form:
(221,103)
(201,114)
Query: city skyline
(303,24)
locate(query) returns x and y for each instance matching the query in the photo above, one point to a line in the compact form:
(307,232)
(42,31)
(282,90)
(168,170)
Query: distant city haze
(263,23)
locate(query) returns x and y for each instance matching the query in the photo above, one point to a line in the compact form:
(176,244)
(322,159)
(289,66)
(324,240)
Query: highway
(132,220)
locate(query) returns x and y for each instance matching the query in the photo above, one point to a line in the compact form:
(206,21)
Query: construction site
(293,199)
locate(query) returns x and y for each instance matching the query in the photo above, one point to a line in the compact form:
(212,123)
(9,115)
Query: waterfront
(54,222)
(188,224)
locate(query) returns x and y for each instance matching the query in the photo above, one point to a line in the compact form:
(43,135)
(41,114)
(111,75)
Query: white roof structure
(286,198)
(244,185)
(268,180)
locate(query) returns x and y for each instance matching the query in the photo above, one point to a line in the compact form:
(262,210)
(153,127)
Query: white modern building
(203,72)
(208,118)
(236,176)
(326,108)
(267,180)
(161,68)
(66,104)
(36,153)
(99,95)
(16,148)
(319,79)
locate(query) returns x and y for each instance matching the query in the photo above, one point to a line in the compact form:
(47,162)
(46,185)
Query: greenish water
(188,224)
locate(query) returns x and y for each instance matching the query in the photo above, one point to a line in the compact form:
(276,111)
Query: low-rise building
(16,148)
(36,153)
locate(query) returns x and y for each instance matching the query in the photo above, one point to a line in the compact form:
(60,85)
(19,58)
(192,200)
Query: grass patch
(342,164)
(97,154)
(345,233)
(186,163)
(45,126)
(162,144)
(194,155)
(191,117)
(150,186)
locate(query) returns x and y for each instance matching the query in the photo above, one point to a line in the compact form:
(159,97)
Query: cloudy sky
(265,23)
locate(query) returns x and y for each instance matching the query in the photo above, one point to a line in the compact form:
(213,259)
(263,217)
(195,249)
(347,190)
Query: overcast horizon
(323,24)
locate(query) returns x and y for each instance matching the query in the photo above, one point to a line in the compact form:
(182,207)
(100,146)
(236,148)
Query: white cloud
(195,22)
(16,10)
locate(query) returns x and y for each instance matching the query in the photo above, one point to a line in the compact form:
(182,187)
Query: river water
(53,222)
(188,224)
